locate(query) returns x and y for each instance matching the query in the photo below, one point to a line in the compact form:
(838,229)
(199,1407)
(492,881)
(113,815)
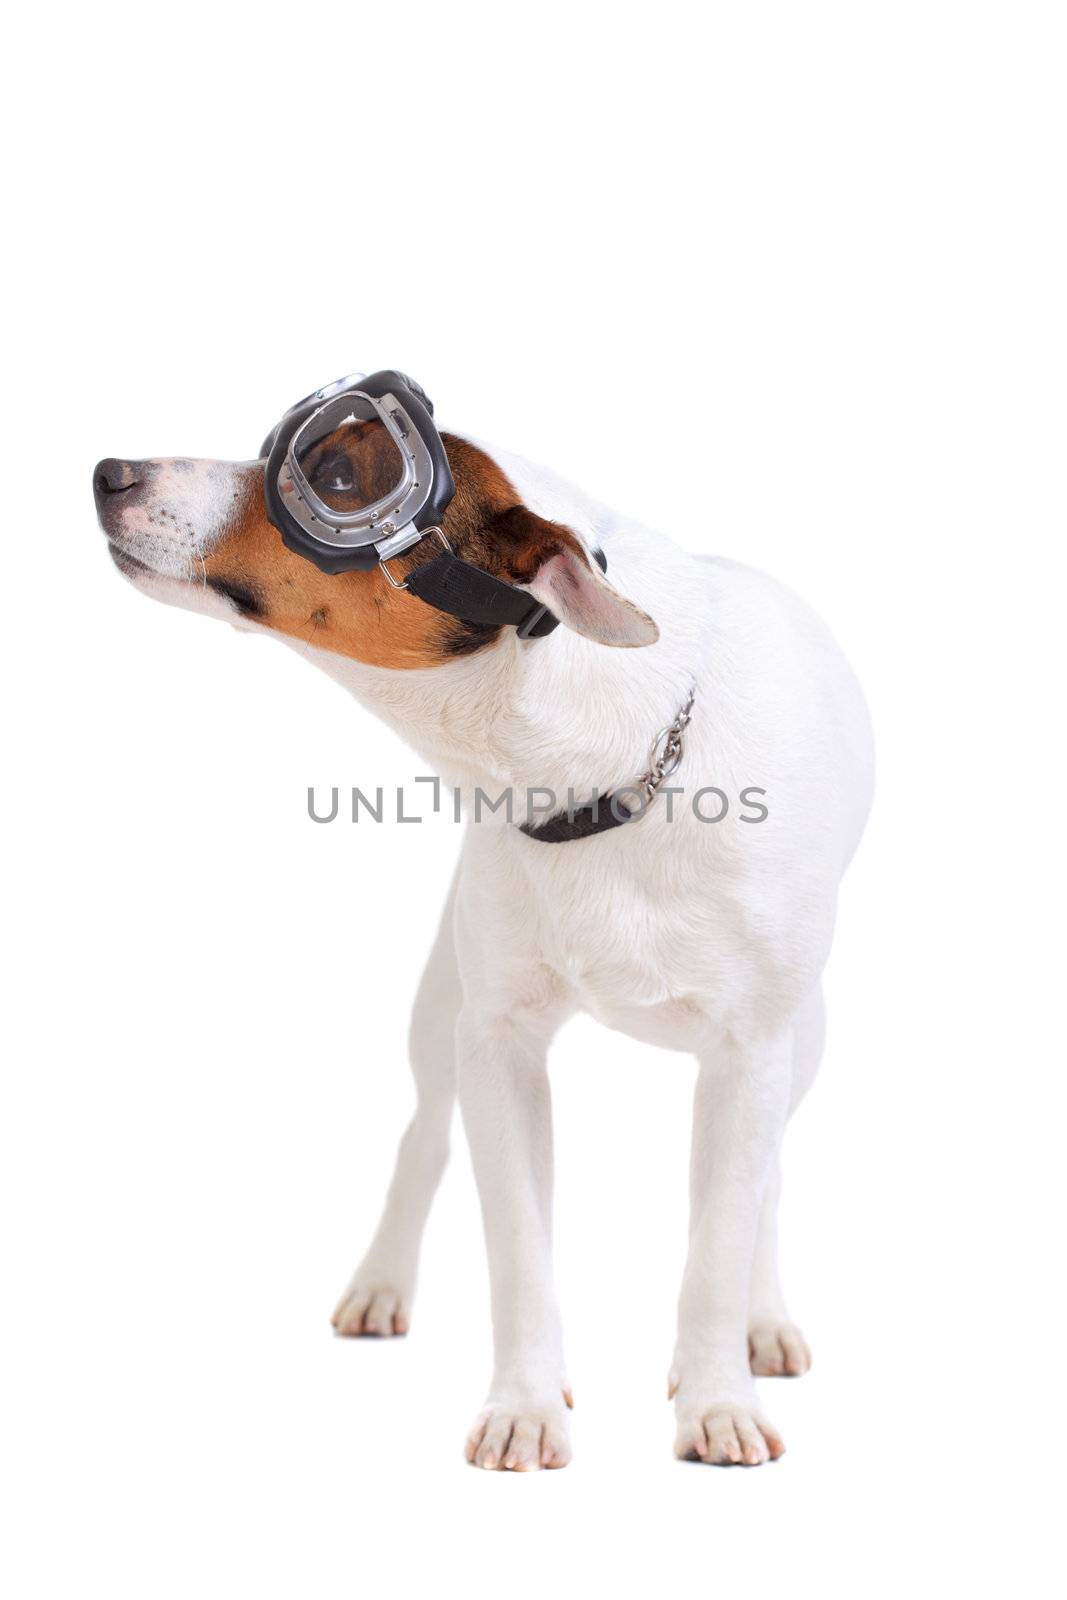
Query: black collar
(613,810)
(607,811)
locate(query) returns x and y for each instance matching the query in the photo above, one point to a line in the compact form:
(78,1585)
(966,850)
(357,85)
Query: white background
(828,240)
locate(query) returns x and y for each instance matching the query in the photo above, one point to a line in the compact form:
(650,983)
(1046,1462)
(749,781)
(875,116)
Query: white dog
(698,935)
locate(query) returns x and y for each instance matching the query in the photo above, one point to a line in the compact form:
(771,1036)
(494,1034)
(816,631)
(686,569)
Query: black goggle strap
(465,591)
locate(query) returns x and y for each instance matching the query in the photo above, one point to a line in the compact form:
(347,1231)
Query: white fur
(699,937)
(189,507)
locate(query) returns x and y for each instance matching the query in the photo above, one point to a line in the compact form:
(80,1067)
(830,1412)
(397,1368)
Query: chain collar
(611,810)
(667,749)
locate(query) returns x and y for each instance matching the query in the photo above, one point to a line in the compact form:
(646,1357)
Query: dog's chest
(646,954)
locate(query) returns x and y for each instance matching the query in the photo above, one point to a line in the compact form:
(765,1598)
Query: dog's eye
(334,472)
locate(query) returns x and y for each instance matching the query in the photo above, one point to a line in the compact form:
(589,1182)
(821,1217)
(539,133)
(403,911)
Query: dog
(682,926)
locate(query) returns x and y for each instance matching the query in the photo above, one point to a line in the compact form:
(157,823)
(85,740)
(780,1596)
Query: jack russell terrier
(427,574)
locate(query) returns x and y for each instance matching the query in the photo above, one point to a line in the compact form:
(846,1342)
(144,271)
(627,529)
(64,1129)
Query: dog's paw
(725,1432)
(371,1305)
(777,1350)
(520,1438)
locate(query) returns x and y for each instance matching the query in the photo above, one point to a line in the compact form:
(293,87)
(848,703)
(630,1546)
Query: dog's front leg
(740,1106)
(505,1101)
(379,1296)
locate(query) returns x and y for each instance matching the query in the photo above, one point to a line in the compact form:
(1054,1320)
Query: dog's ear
(553,564)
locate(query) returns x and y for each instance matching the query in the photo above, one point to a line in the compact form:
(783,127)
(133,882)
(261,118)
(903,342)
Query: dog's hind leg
(776,1346)
(378,1299)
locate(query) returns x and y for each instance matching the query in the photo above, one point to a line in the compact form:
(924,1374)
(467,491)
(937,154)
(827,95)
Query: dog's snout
(111,477)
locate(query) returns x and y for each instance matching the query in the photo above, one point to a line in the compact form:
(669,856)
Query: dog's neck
(560,712)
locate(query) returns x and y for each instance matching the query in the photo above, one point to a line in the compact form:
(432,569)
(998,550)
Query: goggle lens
(353,466)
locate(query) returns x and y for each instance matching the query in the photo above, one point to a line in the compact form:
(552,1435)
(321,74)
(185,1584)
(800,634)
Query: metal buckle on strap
(383,561)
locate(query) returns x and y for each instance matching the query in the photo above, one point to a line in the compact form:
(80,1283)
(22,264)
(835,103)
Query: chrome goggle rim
(388,520)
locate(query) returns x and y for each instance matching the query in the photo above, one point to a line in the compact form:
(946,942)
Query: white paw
(520,1438)
(372,1305)
(777,1350)
(725,1433)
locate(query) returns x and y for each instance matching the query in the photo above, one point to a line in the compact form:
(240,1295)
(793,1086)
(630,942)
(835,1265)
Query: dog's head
(197,534)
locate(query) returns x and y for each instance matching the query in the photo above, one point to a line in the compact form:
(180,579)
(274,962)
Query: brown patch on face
(360,614)
(488,525)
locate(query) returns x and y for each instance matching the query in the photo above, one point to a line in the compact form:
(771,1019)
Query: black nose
(115,477)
